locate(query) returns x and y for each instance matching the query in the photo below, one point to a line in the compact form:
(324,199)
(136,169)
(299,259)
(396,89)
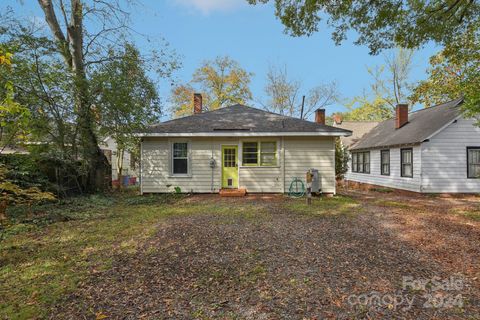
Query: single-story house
(236,147)
(432,150)
(358,128)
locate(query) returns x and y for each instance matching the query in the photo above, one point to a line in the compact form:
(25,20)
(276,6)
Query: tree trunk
(71,48)
(120,155)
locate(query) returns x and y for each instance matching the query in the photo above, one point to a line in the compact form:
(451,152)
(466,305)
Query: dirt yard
(275,258)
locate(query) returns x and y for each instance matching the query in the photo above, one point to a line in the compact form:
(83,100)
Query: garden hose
(297,188)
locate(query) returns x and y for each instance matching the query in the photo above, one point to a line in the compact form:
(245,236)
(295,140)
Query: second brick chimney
(401,115)
(197,103)
(320,116)
(337,118)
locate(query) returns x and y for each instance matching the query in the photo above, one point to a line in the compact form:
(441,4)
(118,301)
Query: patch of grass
(325,207)
(392,204)
(473,214)
(382,190)
(42,262)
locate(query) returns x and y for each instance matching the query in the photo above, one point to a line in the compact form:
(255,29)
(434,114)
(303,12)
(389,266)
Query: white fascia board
(245,134)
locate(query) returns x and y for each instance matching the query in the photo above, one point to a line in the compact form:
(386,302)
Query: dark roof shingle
(421,125)
(240,118)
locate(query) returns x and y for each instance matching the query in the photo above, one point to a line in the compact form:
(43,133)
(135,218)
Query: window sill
(248,167)
(179,176)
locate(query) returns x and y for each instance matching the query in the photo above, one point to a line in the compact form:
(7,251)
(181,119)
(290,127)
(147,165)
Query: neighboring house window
(473,162)
(354,162)
(385,162)
(180,158)
(406,162)
(259,153)
(361,162)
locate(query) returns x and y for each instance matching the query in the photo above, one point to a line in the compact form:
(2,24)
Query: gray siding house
(432,150)
(236,147)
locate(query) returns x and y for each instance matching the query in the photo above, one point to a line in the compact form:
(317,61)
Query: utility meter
(212,163)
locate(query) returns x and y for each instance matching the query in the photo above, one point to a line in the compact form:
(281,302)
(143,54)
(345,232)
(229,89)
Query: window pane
(250,153)
(180,150)
(407,156)
(268,159)
(407,170)
(180,166)
(474,163)
(250,147)
(268,147)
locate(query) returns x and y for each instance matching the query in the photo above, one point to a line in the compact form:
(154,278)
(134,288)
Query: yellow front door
(229,167)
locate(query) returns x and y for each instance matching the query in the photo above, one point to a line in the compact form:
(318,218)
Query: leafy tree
(284,94)
(454,72)
(390,87)
(380,24)
(223,82)
(13,116)
(365,109)
(43,85)
(341,159)
(127,99)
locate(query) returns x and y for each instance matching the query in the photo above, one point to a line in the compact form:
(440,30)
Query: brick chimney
(320,116)
(337,118)
(197,103)
(401,115)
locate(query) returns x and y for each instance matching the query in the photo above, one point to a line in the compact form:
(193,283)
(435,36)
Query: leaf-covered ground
(268,257)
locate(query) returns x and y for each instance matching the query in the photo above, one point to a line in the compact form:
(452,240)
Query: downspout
(283,164)
(212,187)
(141,166)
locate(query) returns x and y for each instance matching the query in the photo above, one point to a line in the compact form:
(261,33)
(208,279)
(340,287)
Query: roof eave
(400,145)
(244,134)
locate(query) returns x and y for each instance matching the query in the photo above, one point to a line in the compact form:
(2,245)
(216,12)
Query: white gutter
(244,134)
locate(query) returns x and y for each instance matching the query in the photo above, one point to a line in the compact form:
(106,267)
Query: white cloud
(209,6)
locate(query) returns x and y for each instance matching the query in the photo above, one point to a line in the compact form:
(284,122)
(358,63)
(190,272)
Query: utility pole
(303,104)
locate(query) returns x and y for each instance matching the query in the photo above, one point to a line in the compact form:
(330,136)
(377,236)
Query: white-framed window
(180,160)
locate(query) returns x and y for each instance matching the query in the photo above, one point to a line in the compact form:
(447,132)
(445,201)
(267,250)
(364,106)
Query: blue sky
(203,29)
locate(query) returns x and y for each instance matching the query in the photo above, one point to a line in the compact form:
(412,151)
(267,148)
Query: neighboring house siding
(110,144)
(444,159)
(394,180)
(301,154)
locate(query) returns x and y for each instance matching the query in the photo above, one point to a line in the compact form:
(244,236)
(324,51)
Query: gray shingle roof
(239,118)
(421,125)
(358,128)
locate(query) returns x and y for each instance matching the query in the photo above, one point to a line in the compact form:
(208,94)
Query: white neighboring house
(109,148)
(432,150)
(237,147)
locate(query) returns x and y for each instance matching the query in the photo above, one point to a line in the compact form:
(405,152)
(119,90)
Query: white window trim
(240,151)
(189,160)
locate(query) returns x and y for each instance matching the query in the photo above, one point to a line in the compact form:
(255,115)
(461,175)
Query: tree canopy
(380,24)
(222,82)
(454,72)
(284,94)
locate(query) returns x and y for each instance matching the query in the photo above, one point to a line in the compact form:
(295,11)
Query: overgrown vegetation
(70,236)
